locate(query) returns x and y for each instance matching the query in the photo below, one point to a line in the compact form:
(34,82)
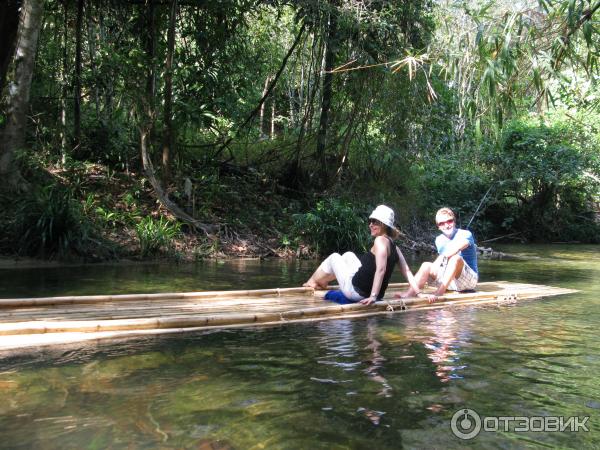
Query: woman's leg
(336,267)
(323,275)
(345,268)
(319,280)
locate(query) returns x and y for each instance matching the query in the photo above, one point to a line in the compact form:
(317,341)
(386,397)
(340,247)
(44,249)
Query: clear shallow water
(382,382)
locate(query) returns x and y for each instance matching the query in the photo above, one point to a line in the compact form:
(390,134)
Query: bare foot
(313,284)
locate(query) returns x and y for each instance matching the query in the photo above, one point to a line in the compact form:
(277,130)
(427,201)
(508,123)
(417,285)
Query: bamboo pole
(39,301)
(212,319)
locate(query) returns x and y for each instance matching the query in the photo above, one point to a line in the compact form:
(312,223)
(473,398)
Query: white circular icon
(465,424)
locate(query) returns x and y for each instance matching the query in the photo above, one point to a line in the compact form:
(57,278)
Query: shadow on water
(384,382)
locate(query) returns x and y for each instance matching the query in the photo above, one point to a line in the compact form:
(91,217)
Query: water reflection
(443,339)
(376,362)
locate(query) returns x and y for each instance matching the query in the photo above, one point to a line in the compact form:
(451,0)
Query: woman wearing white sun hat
(364,279)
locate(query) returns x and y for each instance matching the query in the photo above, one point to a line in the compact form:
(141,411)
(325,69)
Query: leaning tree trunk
(14,133)
(162,196)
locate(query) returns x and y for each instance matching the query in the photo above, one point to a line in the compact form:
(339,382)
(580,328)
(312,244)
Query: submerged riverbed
(383,382)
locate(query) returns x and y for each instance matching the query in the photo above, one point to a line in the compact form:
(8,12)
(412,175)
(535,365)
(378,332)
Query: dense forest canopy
(227,118)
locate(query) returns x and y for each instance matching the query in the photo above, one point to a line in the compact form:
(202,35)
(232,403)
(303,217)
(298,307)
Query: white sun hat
(384,214)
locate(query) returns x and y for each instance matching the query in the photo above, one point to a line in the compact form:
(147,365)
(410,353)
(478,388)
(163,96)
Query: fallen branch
(501,237)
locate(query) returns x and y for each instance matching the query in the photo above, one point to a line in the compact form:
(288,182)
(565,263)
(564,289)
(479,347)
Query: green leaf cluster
(156,236)
(51,223)
(333,226)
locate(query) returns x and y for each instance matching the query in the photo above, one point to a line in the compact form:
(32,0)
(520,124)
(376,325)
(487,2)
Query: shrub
(544,190)
(333,226)
(156,236)
(50,222)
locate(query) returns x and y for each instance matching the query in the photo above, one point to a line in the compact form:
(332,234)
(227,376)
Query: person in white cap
(456,266)
(364,279)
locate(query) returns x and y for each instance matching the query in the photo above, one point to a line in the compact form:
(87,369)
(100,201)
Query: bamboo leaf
(484,9)
(588,29)
(537,79)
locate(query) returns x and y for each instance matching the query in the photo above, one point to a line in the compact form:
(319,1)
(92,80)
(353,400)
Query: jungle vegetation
(145,127)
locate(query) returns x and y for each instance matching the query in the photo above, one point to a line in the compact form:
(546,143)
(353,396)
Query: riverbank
(90,214)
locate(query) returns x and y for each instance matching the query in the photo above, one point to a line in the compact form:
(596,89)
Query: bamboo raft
(35,322)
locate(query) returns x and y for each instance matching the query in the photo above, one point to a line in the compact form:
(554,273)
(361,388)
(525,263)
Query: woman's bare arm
(405,269)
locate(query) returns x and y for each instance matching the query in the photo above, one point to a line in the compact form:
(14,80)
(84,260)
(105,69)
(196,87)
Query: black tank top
(363,279)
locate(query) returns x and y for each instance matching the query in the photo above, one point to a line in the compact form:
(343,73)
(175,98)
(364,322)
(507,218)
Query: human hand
(367,301)
(432,298)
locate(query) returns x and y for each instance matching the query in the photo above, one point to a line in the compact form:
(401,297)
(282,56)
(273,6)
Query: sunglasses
(446,222)
(374,222)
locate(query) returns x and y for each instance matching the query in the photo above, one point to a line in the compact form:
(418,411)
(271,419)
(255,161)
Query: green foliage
(51,223)
(537,182)
(333,226)
(106,140)
(546,189)
(501,57)
(430,128)
(156,236)
(454,181)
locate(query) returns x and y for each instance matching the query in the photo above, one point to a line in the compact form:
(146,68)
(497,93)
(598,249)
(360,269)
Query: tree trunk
(108,88)
(147,125)
(163,198)
(273,119)
(77,81)
(348,135)
(327,95)
(261,124)
(294,178)
(91,30)
(64,89)
(9,25)
(14,134)
(168,138)
(150,56)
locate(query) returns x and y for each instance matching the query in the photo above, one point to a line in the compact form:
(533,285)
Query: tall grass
(156,236)
(50,223)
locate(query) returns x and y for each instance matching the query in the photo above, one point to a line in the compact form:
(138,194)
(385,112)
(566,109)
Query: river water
(385,382)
